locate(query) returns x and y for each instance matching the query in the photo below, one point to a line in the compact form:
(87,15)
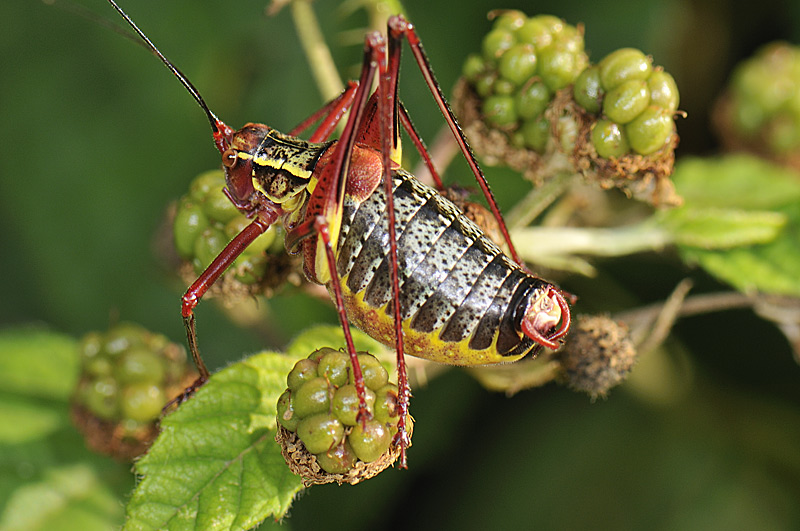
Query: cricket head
(266,169)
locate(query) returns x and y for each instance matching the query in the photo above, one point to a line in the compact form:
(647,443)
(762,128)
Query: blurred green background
(98,138)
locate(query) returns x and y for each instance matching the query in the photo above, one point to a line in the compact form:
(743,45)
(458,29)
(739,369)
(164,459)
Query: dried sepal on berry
(347,468)
(598,355)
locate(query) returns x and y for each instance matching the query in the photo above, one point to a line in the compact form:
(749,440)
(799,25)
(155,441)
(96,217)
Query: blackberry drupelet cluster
(532,101)
(634,101)
(128,375)
(760,109)
(524,61)
(320,408)
(206,221)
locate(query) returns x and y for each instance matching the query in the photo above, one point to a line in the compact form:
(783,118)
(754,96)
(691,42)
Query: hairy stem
(317,52)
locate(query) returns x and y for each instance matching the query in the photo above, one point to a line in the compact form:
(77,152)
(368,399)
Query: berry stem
(538,199)
(546,245)
(317,52)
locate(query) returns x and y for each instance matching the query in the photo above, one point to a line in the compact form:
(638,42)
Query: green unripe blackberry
(102,398)
(625,102)
(571,38)
(386,404)
(473,67)
(128,375)
(322,409)
(496,42)
(139,364)
(537,32)
(518,64)
(503,87)
(532,100)
(588,91)
(624,88)
(663,90)
(375,375)
(784,134)
(499,110)
(559,66)
(206,220)
(339,460)
(650,131)
(190,222)
(369,440)
(249,270)
(345,403)
(302,372)
(554,24)
(625,64)
(286,416)
(101,366)
(509,20)
(760,109)
(219,208)
(142,401)
(484,84)
(748,117)
(123,337)
(90,346)
(320,432)
(206,183)
(536,133)
(524,62)
(314,396)
(262,244)
(609,139)
(581,120)
(210,243)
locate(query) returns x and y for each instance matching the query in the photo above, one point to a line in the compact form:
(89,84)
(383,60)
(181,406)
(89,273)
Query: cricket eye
(229,158)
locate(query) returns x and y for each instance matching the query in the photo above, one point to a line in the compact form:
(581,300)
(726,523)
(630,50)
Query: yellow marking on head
(257,186)
(285,165)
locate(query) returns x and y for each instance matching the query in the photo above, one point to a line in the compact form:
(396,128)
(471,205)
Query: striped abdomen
(462,299)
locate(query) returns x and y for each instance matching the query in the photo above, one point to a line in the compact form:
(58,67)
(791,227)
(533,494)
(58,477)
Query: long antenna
(177,73)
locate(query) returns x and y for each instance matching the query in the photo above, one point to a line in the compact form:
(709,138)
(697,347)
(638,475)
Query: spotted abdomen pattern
(461,298)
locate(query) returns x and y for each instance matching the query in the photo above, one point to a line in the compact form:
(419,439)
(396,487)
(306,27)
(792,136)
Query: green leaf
(740,222)
(735,181)
(23,420)
(769,268)
(48,479)
(38,363)
(216,464)
(38,370)
(68,497)
(715,228)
